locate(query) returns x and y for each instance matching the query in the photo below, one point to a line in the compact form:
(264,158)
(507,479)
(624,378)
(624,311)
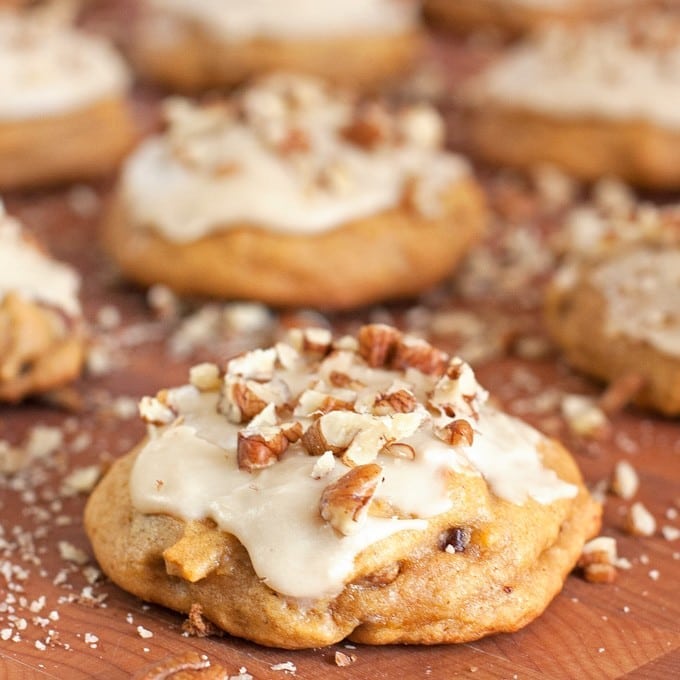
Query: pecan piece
(260,450)
(344,504)
(457,433)
(400,401)
(418,354)
(377,343)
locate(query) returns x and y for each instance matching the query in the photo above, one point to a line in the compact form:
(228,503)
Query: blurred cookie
(41,329)
(293,193)
(63,114)
(614,305)
(192,45)
(362,488)
(516,17)
(597,101)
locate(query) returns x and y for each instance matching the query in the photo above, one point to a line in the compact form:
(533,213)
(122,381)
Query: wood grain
(629,629)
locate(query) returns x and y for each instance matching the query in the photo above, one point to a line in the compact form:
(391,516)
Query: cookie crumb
(195,625)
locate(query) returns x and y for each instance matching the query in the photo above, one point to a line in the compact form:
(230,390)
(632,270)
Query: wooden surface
(628,629)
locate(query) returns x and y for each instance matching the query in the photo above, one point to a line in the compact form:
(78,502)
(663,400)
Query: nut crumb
(625,481)
(343,660)
(639,521)
(144,633)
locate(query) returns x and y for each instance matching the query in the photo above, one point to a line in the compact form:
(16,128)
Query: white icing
(173,182)
(596,71)
(237,20)
(190,470)
(642,290)
(27,271)
(48,69)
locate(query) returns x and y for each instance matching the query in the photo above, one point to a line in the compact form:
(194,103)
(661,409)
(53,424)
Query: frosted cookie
(63,113)
(192,45)
(516,17)
(597,101)
(360,489)
(294,194)
(41,329)
(614,305)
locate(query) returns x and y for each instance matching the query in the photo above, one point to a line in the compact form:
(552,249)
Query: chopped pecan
(340,379)
(292,431)
(260,450)
(344,504)
(343,660)
(400,401)
(334,432)
(370,127)
(418,354)
(377,343)
(239,402)
(399,450)
(458,433)
(295,141)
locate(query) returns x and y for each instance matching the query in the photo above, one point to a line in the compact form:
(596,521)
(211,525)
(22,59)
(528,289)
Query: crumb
(81,480)
(625,481)
(341,659)
(670,533)
(639,521)
(70,553)
(654,574)
(195,625)
(144,633)
(286,666)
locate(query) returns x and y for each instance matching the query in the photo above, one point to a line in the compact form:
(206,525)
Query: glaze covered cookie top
(629,252)
(48,68)
(28,271)
(313,450)
(609,71)
(289,154)
(236,20)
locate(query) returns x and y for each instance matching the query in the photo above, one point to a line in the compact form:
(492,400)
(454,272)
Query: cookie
(292,193)
(614,305)
(516,17)
(63,113)
(192,45)
(41,328)
(598,101)
(362,489)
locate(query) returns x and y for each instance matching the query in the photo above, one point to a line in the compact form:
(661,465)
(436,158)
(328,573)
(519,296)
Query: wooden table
(630,628)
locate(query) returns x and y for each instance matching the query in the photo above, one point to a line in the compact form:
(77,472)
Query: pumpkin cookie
(361,489)
(614,305)
(294,194)
(41,330)
(192,45)
(63,114)
(598,101)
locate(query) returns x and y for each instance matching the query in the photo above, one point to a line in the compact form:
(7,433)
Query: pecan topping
(458,433)
(259,450)
(344,504)
(421,356)
(370,127)
(377,343)
(295,141)
(399,450)
(401,401)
